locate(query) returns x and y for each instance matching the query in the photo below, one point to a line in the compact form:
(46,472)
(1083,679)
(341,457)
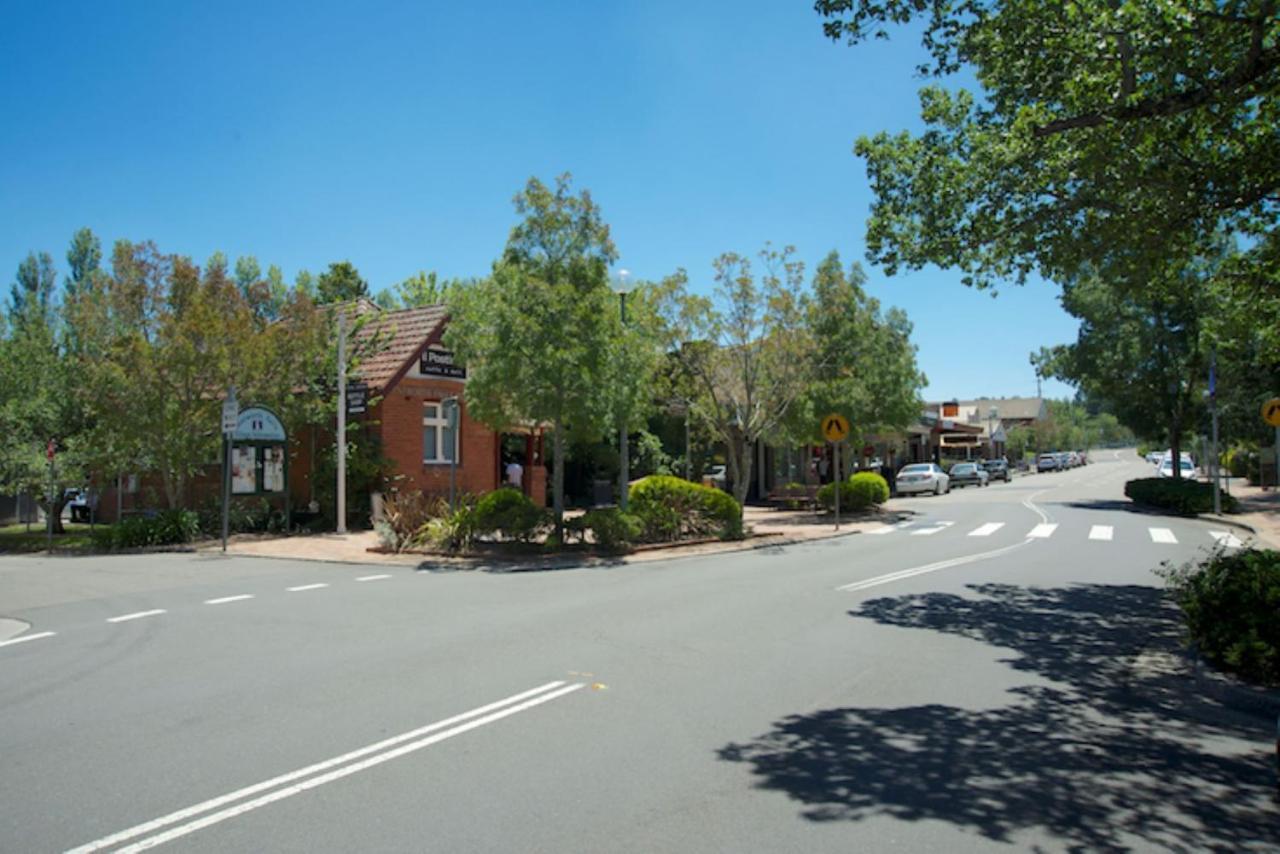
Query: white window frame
(433,416)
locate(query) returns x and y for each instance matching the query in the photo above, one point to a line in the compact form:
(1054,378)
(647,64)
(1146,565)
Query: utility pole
(342,421)
(624,476)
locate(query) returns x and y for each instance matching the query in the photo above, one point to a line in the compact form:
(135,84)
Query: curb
(1230,692)
(1223,520)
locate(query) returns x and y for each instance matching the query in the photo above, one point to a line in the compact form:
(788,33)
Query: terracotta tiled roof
(405,332)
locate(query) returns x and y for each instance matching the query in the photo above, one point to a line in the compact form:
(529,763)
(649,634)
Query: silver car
(922,477)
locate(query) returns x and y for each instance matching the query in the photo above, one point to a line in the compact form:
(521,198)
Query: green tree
(340,283)
(31,295)
(536,336)
(747,350)
(84,259)
(421,289)
(1106,133)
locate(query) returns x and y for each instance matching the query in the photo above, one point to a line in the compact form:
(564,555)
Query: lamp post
(622,287)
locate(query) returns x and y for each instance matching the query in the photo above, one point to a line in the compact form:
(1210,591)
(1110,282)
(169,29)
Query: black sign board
(357,398)
(439,363)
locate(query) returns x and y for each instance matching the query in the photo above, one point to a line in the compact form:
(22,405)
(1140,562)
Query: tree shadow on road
(1119,750)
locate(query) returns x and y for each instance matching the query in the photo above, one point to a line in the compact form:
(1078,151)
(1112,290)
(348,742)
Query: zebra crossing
(1047,530)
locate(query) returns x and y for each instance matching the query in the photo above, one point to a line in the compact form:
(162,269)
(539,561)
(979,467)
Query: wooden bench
(801,497)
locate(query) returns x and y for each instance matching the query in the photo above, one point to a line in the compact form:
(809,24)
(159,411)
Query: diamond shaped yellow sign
(835,427)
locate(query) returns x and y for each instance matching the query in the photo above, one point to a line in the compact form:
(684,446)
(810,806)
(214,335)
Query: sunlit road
(1001,671)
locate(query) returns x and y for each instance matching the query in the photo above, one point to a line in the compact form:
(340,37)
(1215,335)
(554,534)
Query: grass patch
(15,539)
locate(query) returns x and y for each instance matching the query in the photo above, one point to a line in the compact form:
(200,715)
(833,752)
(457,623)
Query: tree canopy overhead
(1105,131)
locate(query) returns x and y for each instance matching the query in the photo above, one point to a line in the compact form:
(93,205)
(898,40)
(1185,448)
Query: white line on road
(26,638)
(136,616)
(1162,535)
(239,794)
(303,587)
(986,530)
(1043,532)
(1225,538)
(1101,532)
(937,526)
(225,599)
(932,567)
(372,577)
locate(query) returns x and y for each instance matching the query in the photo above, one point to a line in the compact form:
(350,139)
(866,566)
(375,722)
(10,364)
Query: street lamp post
(621,287)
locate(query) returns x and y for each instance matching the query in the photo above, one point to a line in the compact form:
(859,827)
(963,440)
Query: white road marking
(137,616)
(372,577)
(303,587)
(1101,532)
(937,526)
(25,638)
(986,530)
(1162,535)
(382,751)
(225,599)
(1227,539)
(1043,532)
(931,567)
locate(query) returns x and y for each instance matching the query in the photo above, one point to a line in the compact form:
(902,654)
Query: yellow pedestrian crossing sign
(1271,412)
(835,427)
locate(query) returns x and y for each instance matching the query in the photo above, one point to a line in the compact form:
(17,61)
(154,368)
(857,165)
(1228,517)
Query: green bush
(454,532)
(509,513)
(167,528)
(1182,496)
(671,509)
(1230,603)
(613,530)
(857,493)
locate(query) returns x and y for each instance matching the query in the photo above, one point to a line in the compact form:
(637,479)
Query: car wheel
(937,489)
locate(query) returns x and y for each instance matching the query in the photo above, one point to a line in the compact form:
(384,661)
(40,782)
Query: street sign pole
(53,487)
(835,452)
(230,415)
(342,422)
(1213,401)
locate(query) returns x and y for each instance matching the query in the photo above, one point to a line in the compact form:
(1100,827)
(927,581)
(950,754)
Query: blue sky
(395,134)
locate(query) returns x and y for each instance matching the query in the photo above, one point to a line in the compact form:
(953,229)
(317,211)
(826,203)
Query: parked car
(1064,460)
(922,477)
(1084,458)
(968,474)
(1154,457)
(1047,462)
(1073,459)
(997,470)
(1185,464)
(717,476)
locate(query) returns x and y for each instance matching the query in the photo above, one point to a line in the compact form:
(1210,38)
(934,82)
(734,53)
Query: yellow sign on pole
(835,428)
(1271,412)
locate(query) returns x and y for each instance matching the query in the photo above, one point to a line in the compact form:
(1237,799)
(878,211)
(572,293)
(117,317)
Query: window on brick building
(439,443)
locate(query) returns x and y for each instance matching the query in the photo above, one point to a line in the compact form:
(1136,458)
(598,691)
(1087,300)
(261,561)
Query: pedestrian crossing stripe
(986,530)
(1225,538)
(937,526)
(1041,532)
(1045,530)
(1101,532)
(1162,535)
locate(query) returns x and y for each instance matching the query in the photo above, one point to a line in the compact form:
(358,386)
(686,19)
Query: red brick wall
(401,415)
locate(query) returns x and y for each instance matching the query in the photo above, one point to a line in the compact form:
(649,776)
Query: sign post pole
(835,452)
(1213,401)
(53,487)
(342,423)
(835,428)
(230,414)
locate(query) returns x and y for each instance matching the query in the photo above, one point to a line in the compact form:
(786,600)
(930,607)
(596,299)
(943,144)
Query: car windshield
(916,470)
(962,468)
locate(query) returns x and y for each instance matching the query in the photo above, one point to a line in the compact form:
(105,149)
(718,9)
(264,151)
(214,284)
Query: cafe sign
(437,362)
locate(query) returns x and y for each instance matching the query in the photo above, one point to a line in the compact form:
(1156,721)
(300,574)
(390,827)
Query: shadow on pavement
(1120,750)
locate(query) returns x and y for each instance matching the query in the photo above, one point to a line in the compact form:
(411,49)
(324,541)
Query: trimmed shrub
(1230,603)
(612,530)
(859,492)
(670,509)
(509,513)
(1180,495)
(167,528)
(406,514)
(454,532)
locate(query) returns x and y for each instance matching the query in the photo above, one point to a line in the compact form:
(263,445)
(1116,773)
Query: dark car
(998,470)
(968,474)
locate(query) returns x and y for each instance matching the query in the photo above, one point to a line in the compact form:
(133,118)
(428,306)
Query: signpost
(1271,415)
(835,428)
(357,398)
(50,451)
(230,417)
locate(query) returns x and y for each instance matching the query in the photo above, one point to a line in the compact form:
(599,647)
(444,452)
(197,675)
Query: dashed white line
(136,616)
(382,751)
(372,577)
(1162,535)
(1227,539)
(1043,532)
(225,599)
(303,587)
(986,530)
(25,638)
(1101,532)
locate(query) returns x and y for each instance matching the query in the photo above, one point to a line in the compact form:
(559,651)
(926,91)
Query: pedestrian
(515,474)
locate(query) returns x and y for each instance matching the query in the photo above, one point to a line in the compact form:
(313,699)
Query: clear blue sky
(395,135)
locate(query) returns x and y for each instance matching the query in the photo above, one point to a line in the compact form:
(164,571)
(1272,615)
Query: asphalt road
(1000,673)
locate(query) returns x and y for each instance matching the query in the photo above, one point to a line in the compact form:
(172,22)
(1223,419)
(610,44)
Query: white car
(922,477)
(1185,463)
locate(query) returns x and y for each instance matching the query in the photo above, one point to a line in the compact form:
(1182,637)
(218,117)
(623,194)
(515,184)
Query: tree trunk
(54,512)
(1175,447)
(740,466)
(557,479)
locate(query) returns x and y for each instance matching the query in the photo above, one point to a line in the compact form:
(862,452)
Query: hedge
(670,508)
(167,528)
(612,530)
(1181,495)
(1231,605)
(510,513)
(859,492)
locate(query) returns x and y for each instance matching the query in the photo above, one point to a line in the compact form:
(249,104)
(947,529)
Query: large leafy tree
(1106,132)
(747,350)
(537,336)
(340,283)
(865,364)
